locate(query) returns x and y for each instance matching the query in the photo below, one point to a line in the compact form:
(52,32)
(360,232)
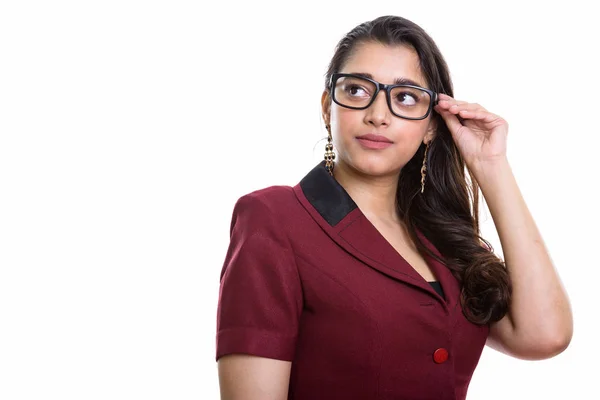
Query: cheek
(345,119)
(345,125)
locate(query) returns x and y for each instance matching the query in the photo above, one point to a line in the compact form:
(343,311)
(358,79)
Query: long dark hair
(447,213)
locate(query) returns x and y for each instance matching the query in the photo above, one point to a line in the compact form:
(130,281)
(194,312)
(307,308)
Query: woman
(368,279)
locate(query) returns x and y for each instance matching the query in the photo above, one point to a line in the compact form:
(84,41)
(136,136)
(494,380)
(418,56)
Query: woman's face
(385,64)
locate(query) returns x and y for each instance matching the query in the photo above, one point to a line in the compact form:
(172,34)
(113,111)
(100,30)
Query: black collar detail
(326,195)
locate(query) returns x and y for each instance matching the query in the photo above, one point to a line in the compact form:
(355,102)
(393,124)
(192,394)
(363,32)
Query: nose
(378,112)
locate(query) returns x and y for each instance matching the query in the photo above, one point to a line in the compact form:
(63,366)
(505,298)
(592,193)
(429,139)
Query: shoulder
(269,205)
(272,199)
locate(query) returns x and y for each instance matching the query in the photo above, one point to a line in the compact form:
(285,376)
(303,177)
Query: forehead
(385,63)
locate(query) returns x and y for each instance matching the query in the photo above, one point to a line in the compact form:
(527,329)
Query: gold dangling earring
(329,154)
(424,169)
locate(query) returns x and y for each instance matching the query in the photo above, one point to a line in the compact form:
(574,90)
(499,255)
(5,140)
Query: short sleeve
(260,296)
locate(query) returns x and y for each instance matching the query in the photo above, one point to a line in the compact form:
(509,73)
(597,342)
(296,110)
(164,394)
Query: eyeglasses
(405,101)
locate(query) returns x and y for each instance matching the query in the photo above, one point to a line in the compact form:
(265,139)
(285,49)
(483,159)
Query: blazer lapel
(337,214)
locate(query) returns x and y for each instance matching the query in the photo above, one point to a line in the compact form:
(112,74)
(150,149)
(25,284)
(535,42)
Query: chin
(373,165)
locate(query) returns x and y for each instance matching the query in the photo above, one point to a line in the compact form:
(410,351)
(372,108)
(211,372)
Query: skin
(539,323)
(371,176)
(249,377)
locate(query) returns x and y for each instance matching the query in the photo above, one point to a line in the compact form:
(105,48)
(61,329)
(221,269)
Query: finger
(469,114)
(456,108)
(450,102)
(478,115)
(445,97)
(489,117)
(452,105)
(472,107)
(451,120)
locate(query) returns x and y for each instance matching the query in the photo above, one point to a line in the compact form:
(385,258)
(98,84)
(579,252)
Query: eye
(406,99)
(356,90)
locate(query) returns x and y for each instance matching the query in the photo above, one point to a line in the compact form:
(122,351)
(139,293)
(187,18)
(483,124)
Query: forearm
(540,311)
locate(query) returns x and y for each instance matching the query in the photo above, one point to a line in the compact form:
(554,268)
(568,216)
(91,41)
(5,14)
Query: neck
(374,195)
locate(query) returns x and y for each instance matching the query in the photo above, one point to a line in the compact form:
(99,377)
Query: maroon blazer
(307,278)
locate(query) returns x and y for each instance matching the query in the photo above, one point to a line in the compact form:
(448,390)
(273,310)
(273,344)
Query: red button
(440,355)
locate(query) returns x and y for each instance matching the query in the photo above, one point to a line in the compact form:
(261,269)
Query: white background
(129,129)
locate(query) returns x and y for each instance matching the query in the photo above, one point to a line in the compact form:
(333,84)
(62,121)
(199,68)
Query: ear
(431,130)
(326,107)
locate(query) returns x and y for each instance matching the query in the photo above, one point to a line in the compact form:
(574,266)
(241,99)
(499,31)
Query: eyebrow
(397,81)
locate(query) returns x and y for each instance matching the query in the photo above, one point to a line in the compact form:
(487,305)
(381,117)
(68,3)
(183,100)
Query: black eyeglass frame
(433,97)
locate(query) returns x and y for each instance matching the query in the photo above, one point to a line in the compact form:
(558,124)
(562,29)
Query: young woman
(369,279)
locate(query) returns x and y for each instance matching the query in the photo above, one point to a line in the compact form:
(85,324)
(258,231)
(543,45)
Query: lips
(374,138)
(372,141)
